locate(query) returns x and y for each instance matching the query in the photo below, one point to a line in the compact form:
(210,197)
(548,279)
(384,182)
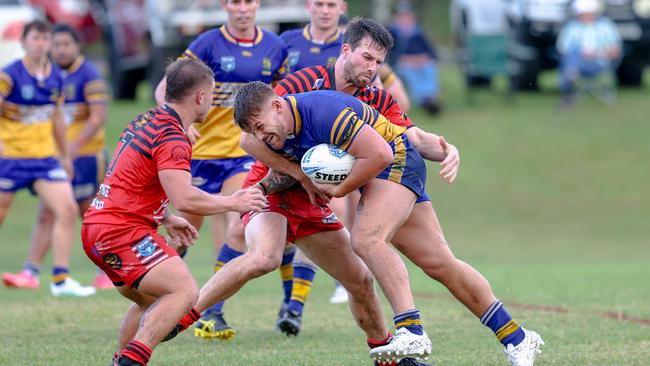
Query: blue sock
(303,279)
(286,272)
(506,329)
(31,268)
(409,320)
(59,274)
(225,255)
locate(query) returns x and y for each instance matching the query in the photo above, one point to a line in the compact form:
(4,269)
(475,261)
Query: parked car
(533,26)
(14,14)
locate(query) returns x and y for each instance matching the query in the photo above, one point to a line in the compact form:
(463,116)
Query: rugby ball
(327,164)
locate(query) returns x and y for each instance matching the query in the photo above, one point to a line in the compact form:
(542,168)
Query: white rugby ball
(327,164)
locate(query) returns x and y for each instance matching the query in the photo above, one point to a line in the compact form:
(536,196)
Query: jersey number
(126,140)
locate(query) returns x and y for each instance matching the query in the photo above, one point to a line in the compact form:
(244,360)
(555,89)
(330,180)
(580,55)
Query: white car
(14,14)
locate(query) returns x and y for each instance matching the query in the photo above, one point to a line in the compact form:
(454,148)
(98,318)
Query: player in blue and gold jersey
(238,52)
(84,113)
(319,42)
(33,152)
(292,124)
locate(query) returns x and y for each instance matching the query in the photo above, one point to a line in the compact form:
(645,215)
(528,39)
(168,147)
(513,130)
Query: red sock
(137,352)
(374,343)
(189,319)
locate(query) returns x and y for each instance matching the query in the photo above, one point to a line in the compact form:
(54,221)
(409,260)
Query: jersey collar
(232,39)
(75,65)
(31,71)
(306,32)
(297,121)
(172,112)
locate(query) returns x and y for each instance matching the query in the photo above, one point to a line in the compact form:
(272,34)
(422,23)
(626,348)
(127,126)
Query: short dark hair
(183,76)
(250,101)
(36,25)
(66,28)
(360,28)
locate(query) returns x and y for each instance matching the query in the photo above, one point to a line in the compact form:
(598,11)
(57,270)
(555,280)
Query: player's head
(365,45)
(325,14)
(37,39)
(259,111)
(241,13)
(189,84)
(65,45)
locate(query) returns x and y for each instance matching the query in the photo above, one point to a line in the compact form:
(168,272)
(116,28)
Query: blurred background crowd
(603,42)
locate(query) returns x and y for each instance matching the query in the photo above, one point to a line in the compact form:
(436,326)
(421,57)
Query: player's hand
(249,199)
(331,190)
(449,166)
(314,191)
(193,134)
(66,164)
(180,231)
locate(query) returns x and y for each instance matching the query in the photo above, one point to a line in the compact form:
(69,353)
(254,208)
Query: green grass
(551,207)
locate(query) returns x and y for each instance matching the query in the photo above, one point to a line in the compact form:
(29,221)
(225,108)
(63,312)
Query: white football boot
(71,287)
(404,344)
(524,353)
(340,295)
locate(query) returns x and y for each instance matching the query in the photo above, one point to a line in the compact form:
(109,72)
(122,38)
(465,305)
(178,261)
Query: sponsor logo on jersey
(27,92)
(318,84)
(70,91)
(146,247)
(266,66)
(227,63)
(330,219)
(113,260)
(294,56)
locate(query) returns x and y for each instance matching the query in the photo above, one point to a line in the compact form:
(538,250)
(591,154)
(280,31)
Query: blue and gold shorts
(209,175)
(16,174)
(408,168)
(88,174)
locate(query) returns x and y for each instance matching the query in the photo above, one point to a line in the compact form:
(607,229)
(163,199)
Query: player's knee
(262,264)
(67,212)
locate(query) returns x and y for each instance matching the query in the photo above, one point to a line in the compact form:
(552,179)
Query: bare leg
(422,241)
(266,237)
(332,252)
(58,197)
(41,235)
(371,235)
(5,202)
(175,291)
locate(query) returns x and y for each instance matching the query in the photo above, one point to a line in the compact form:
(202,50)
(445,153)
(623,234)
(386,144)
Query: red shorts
(124,256)
(303,218)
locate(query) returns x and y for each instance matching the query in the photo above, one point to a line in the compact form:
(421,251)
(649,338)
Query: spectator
(414,59)
(589,45)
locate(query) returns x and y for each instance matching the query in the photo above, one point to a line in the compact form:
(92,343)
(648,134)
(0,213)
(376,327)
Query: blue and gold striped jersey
(338,124)
(83,86)
(304,51)
(27,110)
(235,63)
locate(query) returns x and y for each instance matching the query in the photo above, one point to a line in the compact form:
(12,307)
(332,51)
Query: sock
(374,343)
(189,319)
(303,278)
(32,268)
(59,274)
(225,255)
(409,320)
(136,351)
(507,330)
(286,272)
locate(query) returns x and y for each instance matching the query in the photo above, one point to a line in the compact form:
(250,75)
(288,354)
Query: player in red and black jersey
(149,170)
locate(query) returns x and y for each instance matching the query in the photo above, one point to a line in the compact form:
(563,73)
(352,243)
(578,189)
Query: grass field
(551,207)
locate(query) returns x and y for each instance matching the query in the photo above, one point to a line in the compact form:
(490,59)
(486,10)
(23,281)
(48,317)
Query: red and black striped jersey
(131,195)
(322,78)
